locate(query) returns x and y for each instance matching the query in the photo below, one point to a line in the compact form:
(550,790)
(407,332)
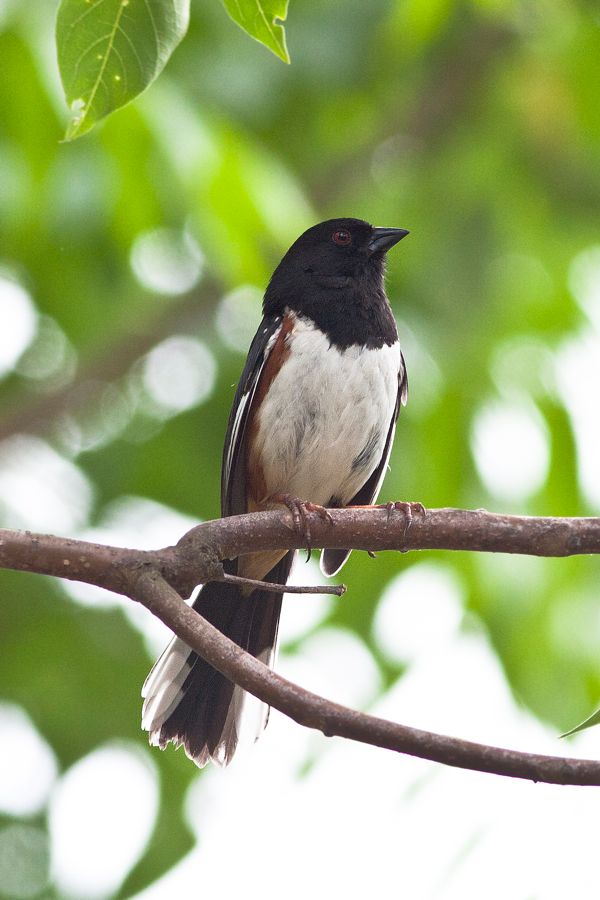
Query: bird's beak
(384,238)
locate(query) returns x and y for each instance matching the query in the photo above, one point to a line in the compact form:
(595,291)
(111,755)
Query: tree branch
(23,410)
(157,578)
(331,718)
(196,557)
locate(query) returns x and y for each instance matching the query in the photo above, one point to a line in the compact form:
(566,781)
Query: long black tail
(188,702)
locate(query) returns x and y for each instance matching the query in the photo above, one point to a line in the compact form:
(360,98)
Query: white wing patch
(162,689)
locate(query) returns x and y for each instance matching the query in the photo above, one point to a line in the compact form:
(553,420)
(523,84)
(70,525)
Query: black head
(341,247)
(334,272)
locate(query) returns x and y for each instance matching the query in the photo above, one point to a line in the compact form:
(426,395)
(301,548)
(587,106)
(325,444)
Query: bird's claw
(299,510)
(405,507)
(408,509)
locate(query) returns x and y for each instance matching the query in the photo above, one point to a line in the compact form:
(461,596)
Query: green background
(474,124)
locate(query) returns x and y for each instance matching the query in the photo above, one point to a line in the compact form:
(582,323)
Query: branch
(37,413)
(157,578)
(331,718)
(197,556)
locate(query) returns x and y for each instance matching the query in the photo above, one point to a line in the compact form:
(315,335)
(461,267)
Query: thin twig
(337,589)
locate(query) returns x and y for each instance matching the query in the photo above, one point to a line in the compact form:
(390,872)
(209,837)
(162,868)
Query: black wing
(203,708)
(233,472)
(333,560)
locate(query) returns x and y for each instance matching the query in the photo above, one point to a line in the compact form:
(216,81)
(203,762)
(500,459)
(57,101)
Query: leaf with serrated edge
(592,720)
(262,19)
(109,51)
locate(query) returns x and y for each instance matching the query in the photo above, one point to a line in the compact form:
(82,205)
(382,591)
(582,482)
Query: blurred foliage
(476,125)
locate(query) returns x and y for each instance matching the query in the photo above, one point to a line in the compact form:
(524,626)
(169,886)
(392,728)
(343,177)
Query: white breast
(323,425)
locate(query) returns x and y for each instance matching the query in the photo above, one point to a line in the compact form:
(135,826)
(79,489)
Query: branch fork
(160,579)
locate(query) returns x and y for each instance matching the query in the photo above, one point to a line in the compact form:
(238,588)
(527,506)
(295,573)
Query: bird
(311,427)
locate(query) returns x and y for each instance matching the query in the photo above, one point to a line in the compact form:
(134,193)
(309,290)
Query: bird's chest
(323,423)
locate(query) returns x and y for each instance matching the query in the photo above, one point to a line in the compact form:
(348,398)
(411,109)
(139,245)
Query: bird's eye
(341,238)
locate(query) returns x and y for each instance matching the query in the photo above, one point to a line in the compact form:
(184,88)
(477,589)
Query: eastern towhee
(311,426)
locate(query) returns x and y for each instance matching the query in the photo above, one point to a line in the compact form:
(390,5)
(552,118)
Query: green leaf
(592,720)
(261,20)
(109,51)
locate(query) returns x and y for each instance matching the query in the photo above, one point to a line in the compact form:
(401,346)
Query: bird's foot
(403,506)
(408,509)
(299,510)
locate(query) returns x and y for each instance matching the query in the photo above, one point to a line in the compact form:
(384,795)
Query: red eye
(341,238)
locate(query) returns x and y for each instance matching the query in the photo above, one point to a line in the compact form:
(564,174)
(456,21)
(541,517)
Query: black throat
(350,310)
